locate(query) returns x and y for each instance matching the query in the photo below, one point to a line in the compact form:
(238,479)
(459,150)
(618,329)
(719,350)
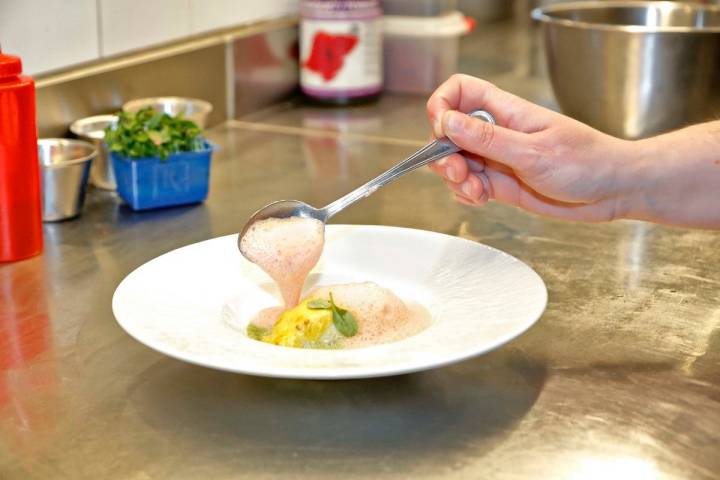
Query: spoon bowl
(283,209)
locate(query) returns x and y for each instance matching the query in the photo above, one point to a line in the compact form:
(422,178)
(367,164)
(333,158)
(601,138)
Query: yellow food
(378,314)
(301,327)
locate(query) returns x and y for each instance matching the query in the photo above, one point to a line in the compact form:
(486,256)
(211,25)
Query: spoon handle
(435,150)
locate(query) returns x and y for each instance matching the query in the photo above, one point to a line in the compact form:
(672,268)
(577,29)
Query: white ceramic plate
(193,303)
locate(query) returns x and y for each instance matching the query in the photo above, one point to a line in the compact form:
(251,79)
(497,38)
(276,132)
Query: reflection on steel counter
(30,402)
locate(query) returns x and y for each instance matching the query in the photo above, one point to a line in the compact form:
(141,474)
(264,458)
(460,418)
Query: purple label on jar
(342,93)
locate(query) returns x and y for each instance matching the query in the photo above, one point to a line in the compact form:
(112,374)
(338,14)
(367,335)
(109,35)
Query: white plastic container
(418,8)
(421,52)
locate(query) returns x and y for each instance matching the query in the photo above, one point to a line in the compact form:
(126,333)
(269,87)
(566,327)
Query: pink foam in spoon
(286,249)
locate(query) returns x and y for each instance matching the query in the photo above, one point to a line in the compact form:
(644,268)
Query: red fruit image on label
(328,53)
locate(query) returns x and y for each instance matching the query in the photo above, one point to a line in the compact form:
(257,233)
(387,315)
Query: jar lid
(340,9)
(10,66)
(449,25)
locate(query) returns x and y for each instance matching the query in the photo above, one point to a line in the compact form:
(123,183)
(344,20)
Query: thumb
(509,147)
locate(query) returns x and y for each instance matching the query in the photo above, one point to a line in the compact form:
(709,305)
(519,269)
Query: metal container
(191,108)
(634,69)
(482,11)
(421,52)
(92,129)
(64,165)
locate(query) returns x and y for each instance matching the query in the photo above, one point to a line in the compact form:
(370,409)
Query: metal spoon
(435,150)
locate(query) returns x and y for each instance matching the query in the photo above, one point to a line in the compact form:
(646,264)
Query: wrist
(675,177)
(633,176)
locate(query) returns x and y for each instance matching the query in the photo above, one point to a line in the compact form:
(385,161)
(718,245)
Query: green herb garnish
(344,321)
(319,304)
(255,332)
(148,133)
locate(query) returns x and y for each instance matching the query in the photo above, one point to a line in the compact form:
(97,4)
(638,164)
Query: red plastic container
(20,211)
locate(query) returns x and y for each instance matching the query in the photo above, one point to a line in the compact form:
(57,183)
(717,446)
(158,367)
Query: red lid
(10,65)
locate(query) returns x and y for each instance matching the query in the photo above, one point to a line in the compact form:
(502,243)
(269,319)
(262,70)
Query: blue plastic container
(150,182)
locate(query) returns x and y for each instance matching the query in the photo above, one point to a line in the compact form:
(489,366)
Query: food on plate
(344,316)
(336,316)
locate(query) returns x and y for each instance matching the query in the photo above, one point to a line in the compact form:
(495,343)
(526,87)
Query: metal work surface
(621,376)
(619,379)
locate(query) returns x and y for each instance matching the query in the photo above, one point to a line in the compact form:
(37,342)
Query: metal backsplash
(238,71)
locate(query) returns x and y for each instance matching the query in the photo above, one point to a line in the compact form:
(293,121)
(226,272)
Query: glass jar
(341,50)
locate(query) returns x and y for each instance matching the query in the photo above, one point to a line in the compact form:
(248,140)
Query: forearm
(677,178)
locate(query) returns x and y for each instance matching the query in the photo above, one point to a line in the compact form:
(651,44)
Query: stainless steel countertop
(619,379)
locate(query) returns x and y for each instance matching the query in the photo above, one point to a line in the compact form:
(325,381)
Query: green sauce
(255,332)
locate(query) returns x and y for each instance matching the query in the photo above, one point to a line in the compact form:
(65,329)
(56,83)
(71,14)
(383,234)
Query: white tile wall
(53,34)
(214,14)
(49,34)
(132,24)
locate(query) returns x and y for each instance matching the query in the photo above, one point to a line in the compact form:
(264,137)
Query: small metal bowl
(92,129)
(192,108)
(64,166)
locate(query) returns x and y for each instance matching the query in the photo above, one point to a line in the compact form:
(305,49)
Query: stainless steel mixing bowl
(634,69)
(64,166)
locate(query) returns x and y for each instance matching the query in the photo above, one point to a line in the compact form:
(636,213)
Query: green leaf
(153,122)
(155,136)
(148,133)
(319,304)
(255,332)
(165,134)
(344,321)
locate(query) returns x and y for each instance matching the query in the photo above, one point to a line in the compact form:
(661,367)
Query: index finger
(466,93)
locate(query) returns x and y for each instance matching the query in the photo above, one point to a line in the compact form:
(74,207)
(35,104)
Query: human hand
(534,158)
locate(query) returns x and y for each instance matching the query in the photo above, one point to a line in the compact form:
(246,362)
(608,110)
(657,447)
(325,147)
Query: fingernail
(437,127)
(482,190)
(453,122)
(453,174)
(484,194)
(476,167)
(442,161)
(467,190)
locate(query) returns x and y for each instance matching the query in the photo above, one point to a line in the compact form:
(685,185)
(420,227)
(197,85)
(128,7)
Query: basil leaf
(153,122)
(345,322)
(155,136)
(319,304)
(147,133)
